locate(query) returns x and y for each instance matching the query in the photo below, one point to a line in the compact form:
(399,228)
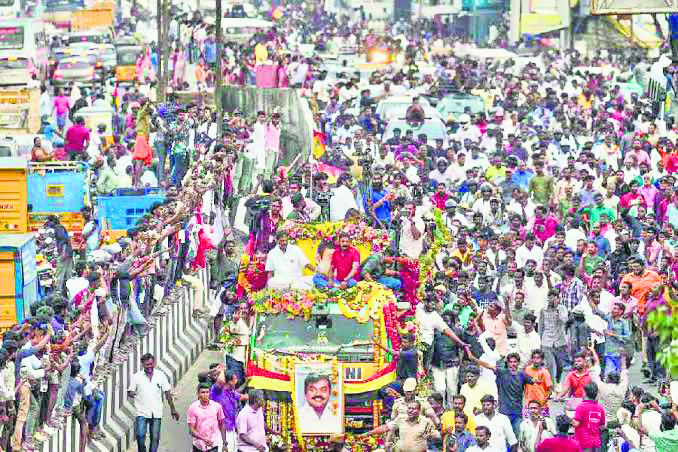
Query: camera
(323,197)
(261,205)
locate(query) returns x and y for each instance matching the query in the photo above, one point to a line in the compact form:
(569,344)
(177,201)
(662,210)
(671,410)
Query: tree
(664,320)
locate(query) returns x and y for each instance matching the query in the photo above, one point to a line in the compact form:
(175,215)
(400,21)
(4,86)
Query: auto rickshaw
(94,116)
(125,69)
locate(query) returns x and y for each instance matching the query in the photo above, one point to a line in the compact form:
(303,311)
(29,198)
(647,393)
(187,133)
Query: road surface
(174,435)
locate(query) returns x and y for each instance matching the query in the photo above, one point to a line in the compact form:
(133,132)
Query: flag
(332,171)
(318,144)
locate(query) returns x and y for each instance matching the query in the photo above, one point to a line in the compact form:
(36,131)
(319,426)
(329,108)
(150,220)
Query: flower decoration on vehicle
(360,233)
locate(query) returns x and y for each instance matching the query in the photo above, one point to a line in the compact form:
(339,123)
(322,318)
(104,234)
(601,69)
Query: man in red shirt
(561,442)
(589,418)
(343,267)
(576,379)
(77,139)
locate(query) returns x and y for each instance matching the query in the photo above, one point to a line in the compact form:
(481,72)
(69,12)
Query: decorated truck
(300,339)
(322,350)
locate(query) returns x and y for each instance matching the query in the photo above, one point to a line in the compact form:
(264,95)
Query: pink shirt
(75,138)
(62,105)
(272,138)
(591,417)
(206,419)
(496,328)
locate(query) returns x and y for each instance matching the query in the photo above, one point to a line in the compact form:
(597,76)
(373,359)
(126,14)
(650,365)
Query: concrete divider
(297,120)
(176,340)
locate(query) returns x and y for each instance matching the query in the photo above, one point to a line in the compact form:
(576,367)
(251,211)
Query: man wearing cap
(414,431)
(409,394)
(482,205)
(298,205)
(467,130)
(443,173)
(286,263)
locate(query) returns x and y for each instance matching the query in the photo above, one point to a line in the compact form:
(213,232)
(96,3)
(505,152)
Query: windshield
(74,65)
(86,38)
(64,5)
(11,37)
(128,58)
(19,63)
(433,130)
(452,105)
(6,3)
(295,334)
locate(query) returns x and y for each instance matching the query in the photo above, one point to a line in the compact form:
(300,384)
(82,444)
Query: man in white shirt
(316,414)
(343,199)
(146,389)
(501,432)
(529,250)
(528,338)
(411,232)
(286,262)
(483,444)
(430,322)
(255,149)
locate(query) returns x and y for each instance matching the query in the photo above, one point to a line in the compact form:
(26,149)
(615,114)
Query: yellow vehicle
(125,69)
(32,191)
(333,334)
(19,111)
(91,18)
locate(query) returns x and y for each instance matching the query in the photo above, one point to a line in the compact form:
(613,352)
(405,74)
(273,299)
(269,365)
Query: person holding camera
(411,232)
(378,202)
(535,428)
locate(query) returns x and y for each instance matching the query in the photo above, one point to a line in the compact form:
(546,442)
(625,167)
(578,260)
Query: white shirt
(489,448)
(410,246)
(148,393)
(288,264)
(572,236)
(429,322)
(526,342)
(148,179)
(523,255)
(309,422)
(500,430)
(76,285)
(341,202)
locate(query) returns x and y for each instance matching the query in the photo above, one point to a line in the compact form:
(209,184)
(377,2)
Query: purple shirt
(252,424)
(229,400)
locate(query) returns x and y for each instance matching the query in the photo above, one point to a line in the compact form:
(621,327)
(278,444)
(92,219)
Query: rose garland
(409,275)
(360,233)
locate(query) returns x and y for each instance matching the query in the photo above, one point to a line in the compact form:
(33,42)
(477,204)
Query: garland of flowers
(361,302)
(441,237)
(360,233)
(409,276)
(364,301)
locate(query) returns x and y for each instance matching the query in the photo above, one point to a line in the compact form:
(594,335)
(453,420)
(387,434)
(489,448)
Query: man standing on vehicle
(77,140)
(146,389)
(65,250)
(143,154)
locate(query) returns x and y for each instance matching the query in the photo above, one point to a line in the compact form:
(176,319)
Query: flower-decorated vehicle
(334,340)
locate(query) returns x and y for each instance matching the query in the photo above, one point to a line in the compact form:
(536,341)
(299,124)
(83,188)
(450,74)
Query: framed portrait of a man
(319,398)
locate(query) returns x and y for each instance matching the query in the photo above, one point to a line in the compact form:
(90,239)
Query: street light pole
(217,87)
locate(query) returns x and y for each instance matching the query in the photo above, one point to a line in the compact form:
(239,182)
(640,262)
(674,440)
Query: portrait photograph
(319,398)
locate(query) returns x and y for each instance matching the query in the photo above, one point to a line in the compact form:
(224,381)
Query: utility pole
(217,87)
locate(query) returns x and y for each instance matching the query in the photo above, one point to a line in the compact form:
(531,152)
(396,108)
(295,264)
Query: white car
(395,102)
(433,128)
